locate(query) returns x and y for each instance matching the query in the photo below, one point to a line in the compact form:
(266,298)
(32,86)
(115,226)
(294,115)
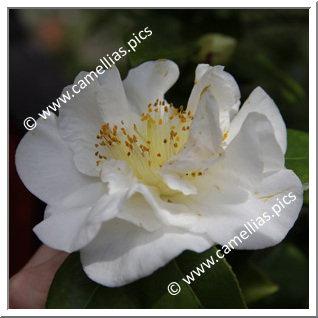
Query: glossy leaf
(253,282)
(297,156)
(288,267)
(216,288)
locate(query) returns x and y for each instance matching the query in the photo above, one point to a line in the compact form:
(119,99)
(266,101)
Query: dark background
(264,47)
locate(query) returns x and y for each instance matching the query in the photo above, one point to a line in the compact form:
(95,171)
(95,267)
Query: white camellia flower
(132,182)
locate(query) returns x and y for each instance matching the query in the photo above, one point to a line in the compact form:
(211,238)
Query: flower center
(148,144)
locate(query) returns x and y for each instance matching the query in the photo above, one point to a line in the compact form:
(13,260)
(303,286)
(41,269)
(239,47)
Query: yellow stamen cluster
(147,145)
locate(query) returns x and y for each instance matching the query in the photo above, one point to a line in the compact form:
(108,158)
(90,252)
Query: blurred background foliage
(259,47)
(267,48)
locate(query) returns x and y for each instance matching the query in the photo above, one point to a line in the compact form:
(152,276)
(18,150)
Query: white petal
(143,206)
(203,146)
(122,253)
(84,156)
(139,211)
(66,224)
(218,188)
(81,116)
(252,152)
(223,87)
(176,182)
(45,163)
(80,121)
(204,130)
(67,229)
(200,151)
(169,213)
(260,102)
(149,81)
(228,221)
(85,196)
(73,223)
(107,207)
(118,174)
(137,205)
(111,98)
(272,154)
(200,71)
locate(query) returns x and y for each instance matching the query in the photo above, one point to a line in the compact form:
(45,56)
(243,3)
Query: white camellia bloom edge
(126,229)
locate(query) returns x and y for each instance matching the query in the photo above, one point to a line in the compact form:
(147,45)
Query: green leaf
(216,288)
(292,88)
(253,282)
(297,156)
(288,267)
